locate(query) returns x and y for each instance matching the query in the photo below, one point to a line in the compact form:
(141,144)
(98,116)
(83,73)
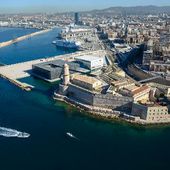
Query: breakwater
(10,42)
(23,86)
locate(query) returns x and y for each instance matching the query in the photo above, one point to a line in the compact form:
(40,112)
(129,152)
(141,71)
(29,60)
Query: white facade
(92,62)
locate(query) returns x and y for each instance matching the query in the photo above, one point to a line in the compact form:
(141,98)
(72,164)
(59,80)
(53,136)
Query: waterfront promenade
(10,42)
(17,71)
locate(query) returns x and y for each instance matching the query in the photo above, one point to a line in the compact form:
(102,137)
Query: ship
(66,44)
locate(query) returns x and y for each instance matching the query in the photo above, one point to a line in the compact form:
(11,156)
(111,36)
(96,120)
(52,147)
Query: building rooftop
(120,82)
(58,64)
(87,79)
(139,90)
(88,58)
(132,88)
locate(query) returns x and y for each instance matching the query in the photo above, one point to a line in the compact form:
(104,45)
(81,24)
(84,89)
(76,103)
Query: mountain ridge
(151,9)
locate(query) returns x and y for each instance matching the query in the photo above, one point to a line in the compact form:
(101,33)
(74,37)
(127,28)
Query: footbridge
(149,79)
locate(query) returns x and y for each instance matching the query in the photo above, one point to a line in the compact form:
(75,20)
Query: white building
(91,62)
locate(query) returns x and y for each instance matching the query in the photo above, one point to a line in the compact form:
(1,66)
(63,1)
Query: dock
(15,72)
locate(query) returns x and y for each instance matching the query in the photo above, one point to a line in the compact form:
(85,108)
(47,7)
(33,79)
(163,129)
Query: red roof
(140,89)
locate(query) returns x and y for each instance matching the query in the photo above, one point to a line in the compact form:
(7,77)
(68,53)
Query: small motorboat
(71,135)
(7,132)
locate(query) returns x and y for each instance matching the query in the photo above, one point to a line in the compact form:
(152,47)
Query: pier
(10,42)
(15,72)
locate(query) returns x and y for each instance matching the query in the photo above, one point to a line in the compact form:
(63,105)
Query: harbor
(94,79)
(69,102)
(17,71)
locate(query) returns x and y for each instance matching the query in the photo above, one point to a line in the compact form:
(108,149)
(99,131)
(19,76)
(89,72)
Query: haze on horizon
(21,6)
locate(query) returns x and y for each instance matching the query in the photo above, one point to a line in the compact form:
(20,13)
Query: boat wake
(7,132)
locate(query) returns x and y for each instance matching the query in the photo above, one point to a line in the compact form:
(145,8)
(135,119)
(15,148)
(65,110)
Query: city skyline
(18,6)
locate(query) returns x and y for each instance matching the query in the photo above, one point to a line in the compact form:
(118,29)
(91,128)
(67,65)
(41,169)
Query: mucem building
(53,70)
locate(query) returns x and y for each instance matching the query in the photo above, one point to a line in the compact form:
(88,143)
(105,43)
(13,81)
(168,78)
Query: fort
(86,93)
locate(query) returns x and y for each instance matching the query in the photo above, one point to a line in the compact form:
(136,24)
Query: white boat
(7,132)
(67,44)
(71,135)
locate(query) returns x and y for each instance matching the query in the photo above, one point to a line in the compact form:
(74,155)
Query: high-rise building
(76,18)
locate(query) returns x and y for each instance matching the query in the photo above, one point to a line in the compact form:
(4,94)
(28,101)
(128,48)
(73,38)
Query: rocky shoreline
(105,113)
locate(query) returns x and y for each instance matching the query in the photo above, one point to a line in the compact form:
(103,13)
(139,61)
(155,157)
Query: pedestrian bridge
(149,79)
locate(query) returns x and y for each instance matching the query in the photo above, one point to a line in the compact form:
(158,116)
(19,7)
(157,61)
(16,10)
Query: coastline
(106,114)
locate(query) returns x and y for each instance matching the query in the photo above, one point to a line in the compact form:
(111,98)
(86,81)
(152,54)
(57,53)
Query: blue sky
(70,5)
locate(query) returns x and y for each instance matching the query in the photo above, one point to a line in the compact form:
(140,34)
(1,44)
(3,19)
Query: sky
(70,5)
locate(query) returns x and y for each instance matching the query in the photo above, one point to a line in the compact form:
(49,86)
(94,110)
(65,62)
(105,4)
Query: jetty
(10,42)
(15,72)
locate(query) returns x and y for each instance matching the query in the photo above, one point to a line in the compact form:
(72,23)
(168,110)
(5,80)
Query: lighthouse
(66,75)
(66,80)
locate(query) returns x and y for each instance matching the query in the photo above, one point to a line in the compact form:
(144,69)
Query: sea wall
(105,112)
(7,43)
(114,102)
(80,94)
(99,100)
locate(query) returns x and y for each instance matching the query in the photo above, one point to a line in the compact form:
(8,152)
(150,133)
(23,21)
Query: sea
(97,144)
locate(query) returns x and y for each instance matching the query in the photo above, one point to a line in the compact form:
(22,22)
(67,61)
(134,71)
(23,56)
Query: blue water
(36,47)
(13,33)
(101,145)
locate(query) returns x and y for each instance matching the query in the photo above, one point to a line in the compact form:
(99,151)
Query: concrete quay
(17,71)
(7,43)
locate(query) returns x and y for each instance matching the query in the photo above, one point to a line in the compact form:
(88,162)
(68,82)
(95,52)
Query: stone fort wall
(99,100)
(80,94)
(113,102)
